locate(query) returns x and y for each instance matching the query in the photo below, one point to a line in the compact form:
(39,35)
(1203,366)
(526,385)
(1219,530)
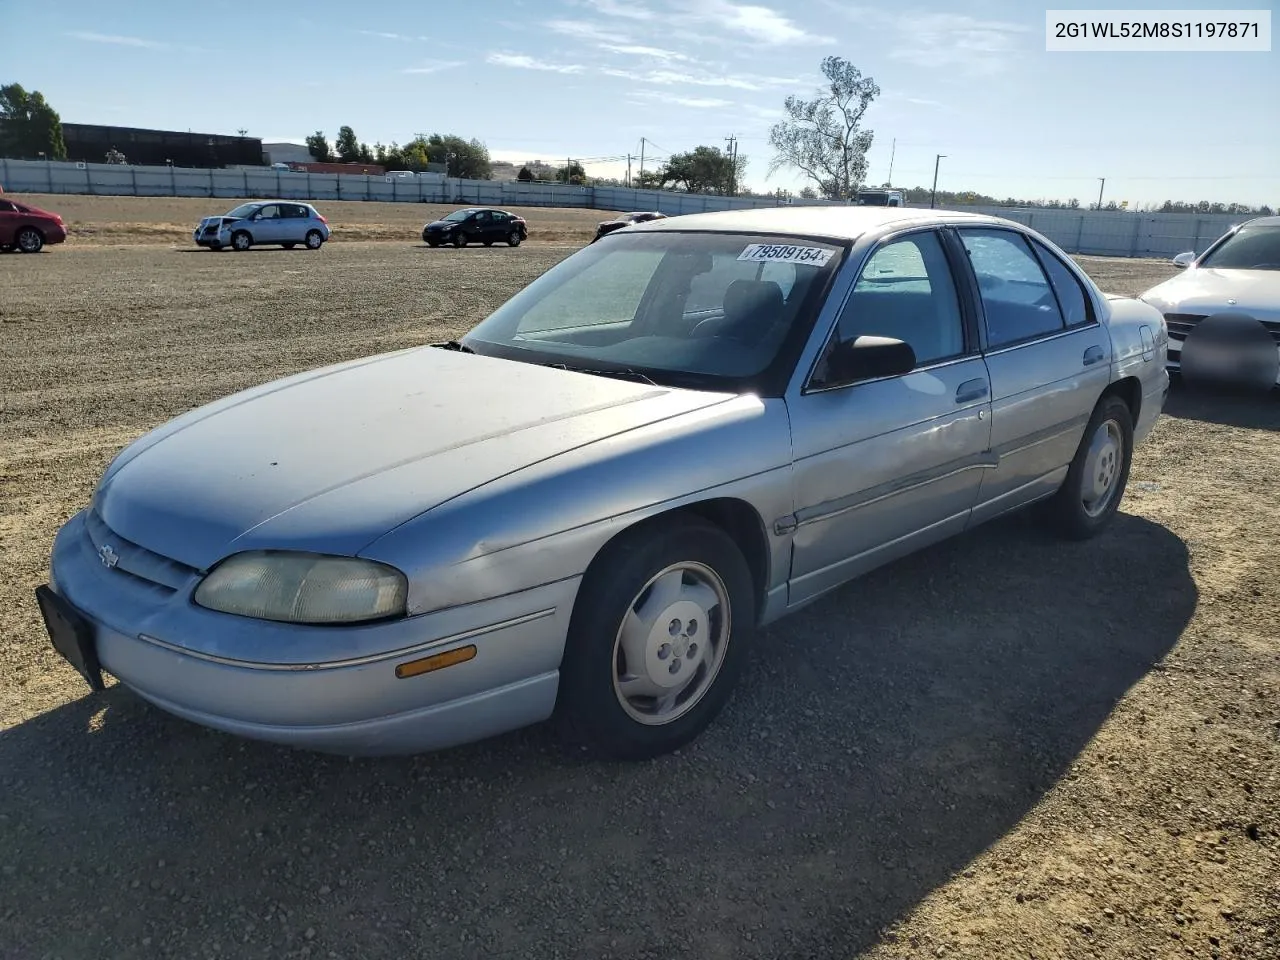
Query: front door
(1050,360)
(883,467)
(268,225)
(8,223)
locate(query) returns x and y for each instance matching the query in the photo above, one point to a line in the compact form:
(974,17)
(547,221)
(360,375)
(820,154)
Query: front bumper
(353,705)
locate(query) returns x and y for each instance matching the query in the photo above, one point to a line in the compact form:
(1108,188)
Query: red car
(27,228)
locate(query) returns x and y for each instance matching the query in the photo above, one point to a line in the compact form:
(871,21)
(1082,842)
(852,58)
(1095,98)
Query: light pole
(1102,182)
(934,193)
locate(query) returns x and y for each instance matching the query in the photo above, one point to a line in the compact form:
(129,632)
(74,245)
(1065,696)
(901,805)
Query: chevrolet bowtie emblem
(108,556)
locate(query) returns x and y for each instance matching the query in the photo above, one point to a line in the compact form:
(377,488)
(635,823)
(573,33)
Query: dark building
(91,143)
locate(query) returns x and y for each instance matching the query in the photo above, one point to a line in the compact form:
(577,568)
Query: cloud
(433,66)
(639,50)
(628,10)
(582,30)
(761,24)
(667,77)
(525,62)
(697,103)
(117,40)
(387,36)
(954,40)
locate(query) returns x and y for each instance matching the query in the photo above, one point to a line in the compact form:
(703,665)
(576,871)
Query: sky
(589,79)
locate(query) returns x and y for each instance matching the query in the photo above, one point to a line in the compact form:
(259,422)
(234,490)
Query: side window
(906,291)
(270,212)
(500,218)
(1016,297)
(7,207)
(1071,296)
(482,217)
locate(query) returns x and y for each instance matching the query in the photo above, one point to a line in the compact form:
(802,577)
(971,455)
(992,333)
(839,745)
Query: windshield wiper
(454,345)
(625,373)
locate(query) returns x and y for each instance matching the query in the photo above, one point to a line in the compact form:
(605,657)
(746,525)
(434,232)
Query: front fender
(548,521)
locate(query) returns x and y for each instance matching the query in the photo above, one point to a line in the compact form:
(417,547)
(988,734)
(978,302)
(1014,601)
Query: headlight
(303,588)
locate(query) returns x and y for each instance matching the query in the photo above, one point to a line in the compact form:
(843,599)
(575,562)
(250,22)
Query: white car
(1223,312)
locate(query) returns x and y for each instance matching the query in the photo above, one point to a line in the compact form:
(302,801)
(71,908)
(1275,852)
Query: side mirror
(1184,260)
(866,358)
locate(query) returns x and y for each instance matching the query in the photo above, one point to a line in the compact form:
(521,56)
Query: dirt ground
(129,220)
(1003,747)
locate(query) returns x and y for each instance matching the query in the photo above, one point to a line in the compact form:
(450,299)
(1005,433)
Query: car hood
(438,224)
(1206,290)
(332,459)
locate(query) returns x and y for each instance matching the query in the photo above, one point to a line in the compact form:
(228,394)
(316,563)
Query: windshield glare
(459,215)
(1251,248)
(244,210)
(703,308)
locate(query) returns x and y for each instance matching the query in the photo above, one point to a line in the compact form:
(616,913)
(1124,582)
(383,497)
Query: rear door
(295,222)
(1049,359)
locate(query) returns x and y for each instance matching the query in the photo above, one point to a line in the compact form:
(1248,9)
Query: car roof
(1262,222)
(837,222)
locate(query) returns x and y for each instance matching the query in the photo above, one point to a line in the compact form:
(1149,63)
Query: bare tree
(822,138)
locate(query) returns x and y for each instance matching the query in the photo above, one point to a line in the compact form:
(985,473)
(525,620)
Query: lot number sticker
(786,253)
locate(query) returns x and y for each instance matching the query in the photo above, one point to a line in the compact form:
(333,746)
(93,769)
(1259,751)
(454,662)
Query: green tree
(525,175)
(573,173)
(318,147)
(347,146)
(28,125)
(468,159)
(703,170)
(416,154)
(822,137)
(366,155)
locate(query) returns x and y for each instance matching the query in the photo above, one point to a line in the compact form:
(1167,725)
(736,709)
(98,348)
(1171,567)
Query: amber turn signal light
(439,661)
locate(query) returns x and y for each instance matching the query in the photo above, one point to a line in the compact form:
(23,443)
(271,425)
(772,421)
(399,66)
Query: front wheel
(1090,495)
(314,239)
(241,241)
(459,239)
(657,640)
(29,240)
(514,238)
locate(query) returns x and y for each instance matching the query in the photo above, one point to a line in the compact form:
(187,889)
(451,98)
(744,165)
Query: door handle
(1093,355)
(971,390)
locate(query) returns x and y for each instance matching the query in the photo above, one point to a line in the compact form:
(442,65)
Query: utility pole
(628,169)
(642,159)
(732,154)
(934,193)
(1102,182)
(892,150)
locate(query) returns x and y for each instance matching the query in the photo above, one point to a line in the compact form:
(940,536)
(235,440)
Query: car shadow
(1249,409)
(879,741)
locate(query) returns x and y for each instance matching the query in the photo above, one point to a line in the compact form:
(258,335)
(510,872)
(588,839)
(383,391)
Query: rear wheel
(1090,495)
(657,639)
(29,240)
(241,241)
(314,239)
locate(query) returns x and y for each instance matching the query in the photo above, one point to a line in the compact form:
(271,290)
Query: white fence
(1095,232)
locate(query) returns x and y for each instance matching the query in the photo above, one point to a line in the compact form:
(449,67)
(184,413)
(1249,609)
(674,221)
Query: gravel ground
(1002,747)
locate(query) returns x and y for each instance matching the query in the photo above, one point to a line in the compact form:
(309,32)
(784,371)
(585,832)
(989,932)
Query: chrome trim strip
(1082,328)
(865,498)
(1040,436)
(354,661)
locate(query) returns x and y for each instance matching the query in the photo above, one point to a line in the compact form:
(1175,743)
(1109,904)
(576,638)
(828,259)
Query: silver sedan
(583,509)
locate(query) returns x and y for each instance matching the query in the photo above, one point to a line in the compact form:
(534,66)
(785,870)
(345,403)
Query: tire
(29,240)
(241,241)
(514,238)
(315,239)
(433,243)
(705,592)
(288,246)
(1106,451)
(459,239)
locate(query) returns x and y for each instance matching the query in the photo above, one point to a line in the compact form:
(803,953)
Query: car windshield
(459,215)
(702,310)
(1250,248)
(244,210)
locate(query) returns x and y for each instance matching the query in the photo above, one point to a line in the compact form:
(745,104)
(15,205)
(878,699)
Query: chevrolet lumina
(583,509)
